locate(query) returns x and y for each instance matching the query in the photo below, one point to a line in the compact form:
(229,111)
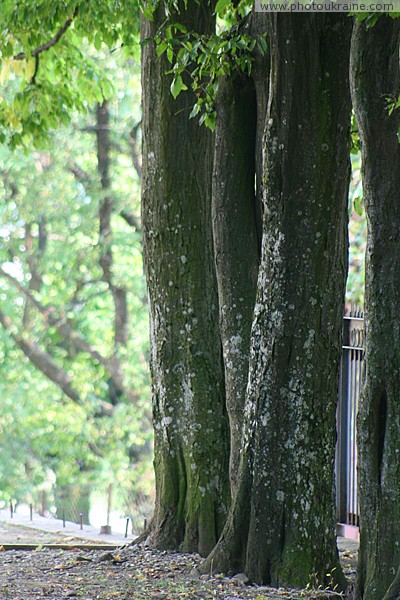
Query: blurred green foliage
(47,439)
(47,63)
(357,237)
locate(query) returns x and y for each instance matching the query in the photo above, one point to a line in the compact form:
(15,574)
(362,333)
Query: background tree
(375,84)
(63,282)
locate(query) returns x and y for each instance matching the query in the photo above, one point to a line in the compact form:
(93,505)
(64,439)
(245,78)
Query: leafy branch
(199,61)
(41,359)
(50,43)
(61,324)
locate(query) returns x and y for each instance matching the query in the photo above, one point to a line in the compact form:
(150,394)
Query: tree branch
(52,42)
(78,172)
(62,326)
(130,219)
(41,360)
(83,176)
(44,362)
(135,152)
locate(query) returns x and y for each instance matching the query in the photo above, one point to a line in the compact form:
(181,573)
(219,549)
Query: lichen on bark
(235,241)
(281,526)
(191,426)
(375,79)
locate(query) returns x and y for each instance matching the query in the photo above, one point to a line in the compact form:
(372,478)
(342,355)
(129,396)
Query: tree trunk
(119,294)
(191,426)
(260,70)
(375,78)
(281,527)
(235,241)
(236,208)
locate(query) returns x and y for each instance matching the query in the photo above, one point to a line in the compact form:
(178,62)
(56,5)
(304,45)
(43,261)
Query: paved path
(347,545)
(55,526)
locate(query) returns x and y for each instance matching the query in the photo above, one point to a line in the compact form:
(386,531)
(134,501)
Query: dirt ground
(131,572)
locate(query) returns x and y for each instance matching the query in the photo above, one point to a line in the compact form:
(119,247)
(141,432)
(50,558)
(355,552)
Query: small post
(44,503)
(109,504)
(81,519)
(145,525)
(11,509)
(31,512)
(126,528)
(106,529)
(63,518)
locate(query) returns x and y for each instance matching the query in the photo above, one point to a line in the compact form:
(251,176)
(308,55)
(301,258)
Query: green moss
(297,568)
(294,568)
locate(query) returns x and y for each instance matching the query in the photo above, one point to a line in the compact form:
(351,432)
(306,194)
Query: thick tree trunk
(281,527)
(191,426)
(258,25)
(237,229)
(375,78)
(235,241)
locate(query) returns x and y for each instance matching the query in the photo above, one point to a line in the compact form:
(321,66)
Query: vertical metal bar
(353,436)
(359,392)
(351,456)
(350,440)
(348,426)
(339,444)
(126,527)
(342,432)
(350,387)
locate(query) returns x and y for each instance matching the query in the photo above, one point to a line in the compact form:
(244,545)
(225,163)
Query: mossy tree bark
(257,26)
(191,425)
(236,210)
(281,526)
(235,241)
(375,78)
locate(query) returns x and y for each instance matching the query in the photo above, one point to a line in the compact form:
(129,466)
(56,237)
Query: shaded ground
(132,572)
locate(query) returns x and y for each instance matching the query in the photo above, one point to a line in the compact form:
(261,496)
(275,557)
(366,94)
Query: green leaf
(195,111)
(357,205)
(147,12)
(210,120)
(221,5)
(97,41)
(262,44)
(161,48)
(177,86)
(179,27)
(107,89)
